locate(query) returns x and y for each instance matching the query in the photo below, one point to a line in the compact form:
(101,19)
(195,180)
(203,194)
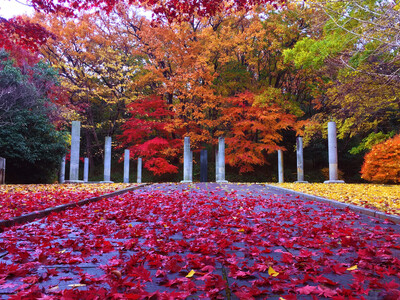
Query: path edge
(359,209)
(45,212)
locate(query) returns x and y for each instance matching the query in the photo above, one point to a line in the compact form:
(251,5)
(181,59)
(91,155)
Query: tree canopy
(28,136)
(256,72)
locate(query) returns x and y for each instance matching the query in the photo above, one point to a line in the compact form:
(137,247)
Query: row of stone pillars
(332,154)
(220,160)
(188,162)
(74,161)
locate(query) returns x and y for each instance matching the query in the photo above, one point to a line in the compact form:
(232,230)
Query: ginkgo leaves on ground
(16,200)
(196,241)
(384,198)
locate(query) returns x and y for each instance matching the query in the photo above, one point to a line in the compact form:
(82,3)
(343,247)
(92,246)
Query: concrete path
(216,241)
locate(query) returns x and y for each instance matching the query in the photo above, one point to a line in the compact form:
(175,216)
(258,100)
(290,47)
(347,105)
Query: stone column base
(334,181)
(222,181)
(186,181)
(106,181)
(74,181)
(301,182)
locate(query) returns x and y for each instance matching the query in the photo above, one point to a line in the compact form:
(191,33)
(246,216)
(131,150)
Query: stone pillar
(191,166)
(216,165)
(332,153)
(75,143)
(139,170)
(126,166)
(280,167)
(203,166)
(186,161)
(2,170)
(107,159)
(300,160)
(62,170)
(221,160)
(86,170)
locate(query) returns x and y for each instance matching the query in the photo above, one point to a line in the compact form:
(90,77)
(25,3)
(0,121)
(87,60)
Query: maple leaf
(52,272)
(140,273)
(339,268)
(31,279)
(391,285)
(326,292)
(324,280)
(272,272)
(242,274)
(307,290)
(190,274)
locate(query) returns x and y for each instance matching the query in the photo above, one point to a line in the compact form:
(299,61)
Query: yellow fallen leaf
(241,230)
(352,268)
(190,274)
(272,272)
(76,284)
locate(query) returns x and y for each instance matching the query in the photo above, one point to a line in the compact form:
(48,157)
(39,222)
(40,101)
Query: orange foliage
(254,130)
(203,78)
(381,164)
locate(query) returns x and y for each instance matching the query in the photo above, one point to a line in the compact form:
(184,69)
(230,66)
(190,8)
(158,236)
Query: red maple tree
(22,33)
(150,134)
(29,35)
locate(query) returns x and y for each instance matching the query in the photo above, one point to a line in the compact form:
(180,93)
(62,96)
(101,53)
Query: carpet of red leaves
(17,200)
(201,241)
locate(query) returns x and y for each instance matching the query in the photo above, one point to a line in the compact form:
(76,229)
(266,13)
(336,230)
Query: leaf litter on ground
(180,241)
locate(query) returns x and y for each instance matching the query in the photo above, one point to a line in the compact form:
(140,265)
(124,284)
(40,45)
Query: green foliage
(29,141)
(274,96)
(32,147)
(371,140)
(233,78)
(311,53)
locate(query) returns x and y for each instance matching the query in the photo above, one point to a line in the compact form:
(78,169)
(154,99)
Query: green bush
(29,141)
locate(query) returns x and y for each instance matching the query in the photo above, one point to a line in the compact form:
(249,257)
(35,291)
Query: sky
(12,8)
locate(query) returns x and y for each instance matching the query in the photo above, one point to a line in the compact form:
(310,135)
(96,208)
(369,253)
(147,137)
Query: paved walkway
(178,241)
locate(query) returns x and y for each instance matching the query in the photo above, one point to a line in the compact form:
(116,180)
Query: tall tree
(28,138)
(197,66)
(200,65)
(20,32)
(356,51)
(97,72)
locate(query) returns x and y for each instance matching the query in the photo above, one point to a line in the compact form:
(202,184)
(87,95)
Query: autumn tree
(199,67)
(18,31)
(381,164)
(21,32)
(150,134)
(28,136)
(253,127)
(355,50)
(97,72)
(170,9)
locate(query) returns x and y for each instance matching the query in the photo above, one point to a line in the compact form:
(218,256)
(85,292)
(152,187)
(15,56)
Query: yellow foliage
(93,188)
(385,198)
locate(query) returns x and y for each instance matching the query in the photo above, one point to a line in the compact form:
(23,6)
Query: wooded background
(148,73)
